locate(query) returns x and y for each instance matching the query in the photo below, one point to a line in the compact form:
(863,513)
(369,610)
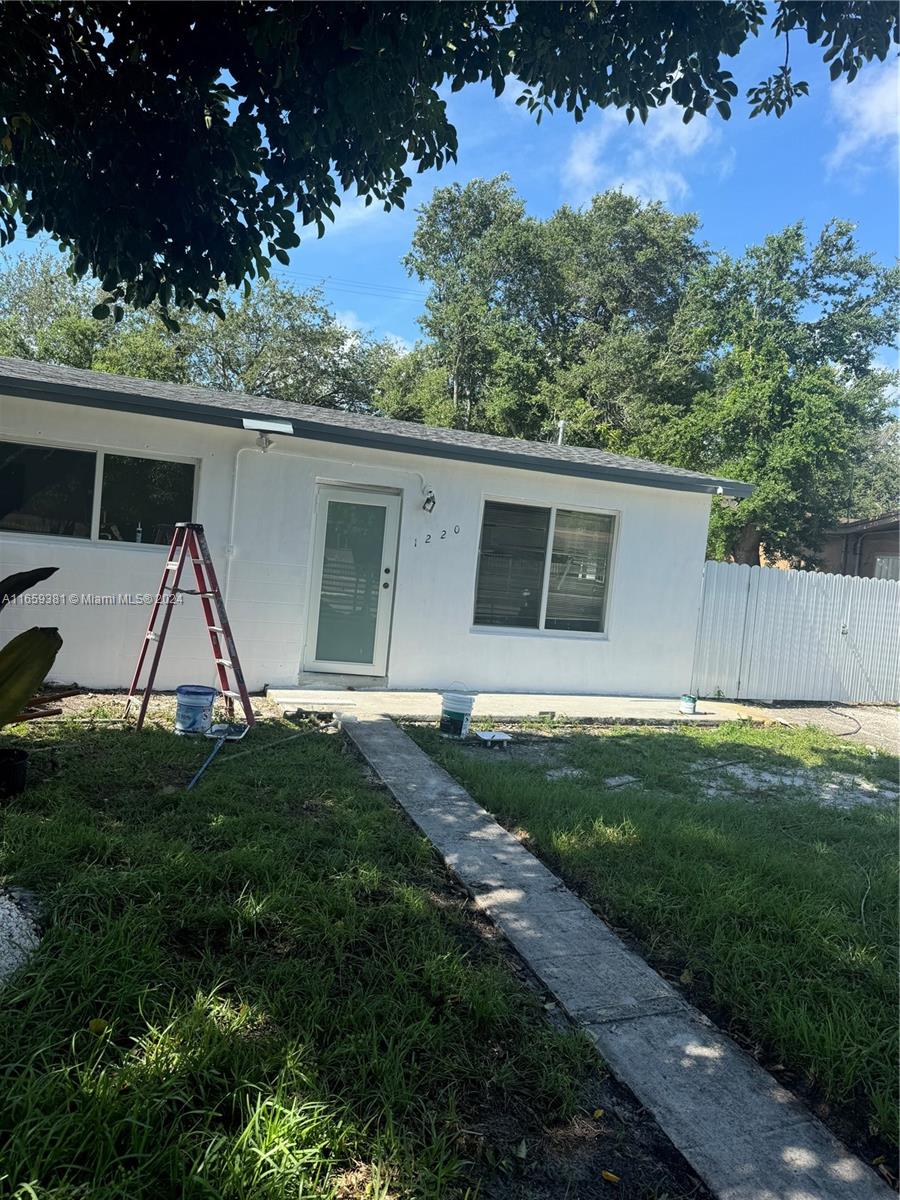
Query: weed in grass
(248,991)
(783,913)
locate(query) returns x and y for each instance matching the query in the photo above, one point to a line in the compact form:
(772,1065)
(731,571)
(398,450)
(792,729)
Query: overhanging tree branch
(174,147)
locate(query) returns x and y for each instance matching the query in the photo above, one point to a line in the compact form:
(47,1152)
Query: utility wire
(356,287)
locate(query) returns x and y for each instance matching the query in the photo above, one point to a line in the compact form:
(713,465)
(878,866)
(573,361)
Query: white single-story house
(347,546)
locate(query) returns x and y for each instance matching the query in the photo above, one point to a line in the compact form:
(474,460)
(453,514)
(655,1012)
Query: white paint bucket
(456,711)
(193,707)
(688,705)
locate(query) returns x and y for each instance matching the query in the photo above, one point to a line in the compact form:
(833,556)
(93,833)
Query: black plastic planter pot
(13,771)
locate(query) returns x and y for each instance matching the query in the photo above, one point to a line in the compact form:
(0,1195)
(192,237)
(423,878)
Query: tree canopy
(615,319)
(171,147)
(530,322)
(791,396)
(278,342)
(618,321)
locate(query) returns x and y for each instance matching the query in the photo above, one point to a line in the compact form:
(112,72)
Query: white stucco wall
(264,558)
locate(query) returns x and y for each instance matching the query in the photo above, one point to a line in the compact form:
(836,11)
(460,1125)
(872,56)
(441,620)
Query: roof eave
(156,406)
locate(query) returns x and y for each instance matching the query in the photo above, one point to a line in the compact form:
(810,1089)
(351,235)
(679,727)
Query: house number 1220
(435,537)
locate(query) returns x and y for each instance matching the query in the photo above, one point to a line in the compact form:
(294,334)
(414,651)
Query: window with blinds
(542,568)
(579,567)
(511,563)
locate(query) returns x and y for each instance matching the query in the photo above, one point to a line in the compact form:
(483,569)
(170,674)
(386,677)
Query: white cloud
(353,212)
(867,113)
(647,161)
(727,163)
(583,166)
(350,319)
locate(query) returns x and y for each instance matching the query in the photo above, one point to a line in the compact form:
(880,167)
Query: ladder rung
(215,629)
(193,592)
(224,662)
(233,695)
(170,566)
(152,637)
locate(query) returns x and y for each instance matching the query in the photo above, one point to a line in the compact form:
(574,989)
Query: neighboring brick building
(870,549)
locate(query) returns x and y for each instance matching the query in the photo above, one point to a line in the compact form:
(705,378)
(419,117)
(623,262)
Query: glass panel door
(353,583)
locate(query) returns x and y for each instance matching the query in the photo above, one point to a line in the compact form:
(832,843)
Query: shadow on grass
(778,912)
(259,988)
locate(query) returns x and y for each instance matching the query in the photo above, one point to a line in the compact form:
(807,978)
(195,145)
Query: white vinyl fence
(765,634)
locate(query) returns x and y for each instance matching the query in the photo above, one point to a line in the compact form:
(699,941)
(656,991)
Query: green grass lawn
(778,913)
(260,989)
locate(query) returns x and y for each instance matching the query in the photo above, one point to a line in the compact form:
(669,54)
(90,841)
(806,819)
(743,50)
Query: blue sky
(834,154)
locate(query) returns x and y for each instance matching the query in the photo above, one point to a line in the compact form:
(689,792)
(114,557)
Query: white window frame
(520,631)
(94,539)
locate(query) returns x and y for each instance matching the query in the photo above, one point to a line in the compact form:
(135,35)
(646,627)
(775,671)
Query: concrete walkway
(510,706)
(746,1136)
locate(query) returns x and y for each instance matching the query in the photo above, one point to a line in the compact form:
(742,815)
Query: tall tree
(624,267)
(470,244)
(787,338)
(173,146)
(532,322)
(45,314)
(875,479)
(277,342)
(617,321)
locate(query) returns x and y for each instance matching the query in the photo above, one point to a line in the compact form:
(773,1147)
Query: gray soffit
(95,389)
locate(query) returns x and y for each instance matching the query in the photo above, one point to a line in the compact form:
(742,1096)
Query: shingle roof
(43,381)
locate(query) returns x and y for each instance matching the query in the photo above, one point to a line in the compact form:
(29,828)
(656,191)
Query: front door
(354,559)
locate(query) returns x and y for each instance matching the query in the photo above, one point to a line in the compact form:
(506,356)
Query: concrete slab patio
(868,724)
(745,1135)
(510,706)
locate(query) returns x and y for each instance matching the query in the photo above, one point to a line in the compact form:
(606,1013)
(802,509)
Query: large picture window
(46,490)
(543,568)
(52,491)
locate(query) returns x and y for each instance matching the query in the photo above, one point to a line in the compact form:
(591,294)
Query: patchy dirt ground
(715,777)
(833,789)
(100,707)
(609,1148)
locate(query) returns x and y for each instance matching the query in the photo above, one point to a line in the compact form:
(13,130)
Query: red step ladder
(189,545)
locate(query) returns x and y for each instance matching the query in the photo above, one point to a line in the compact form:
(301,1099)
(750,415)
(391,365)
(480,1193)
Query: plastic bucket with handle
(456,711)
(194,705)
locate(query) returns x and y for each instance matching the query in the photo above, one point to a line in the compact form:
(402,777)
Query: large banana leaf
(24,662)
(15,585)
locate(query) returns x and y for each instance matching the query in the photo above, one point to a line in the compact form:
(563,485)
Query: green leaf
(24,663)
